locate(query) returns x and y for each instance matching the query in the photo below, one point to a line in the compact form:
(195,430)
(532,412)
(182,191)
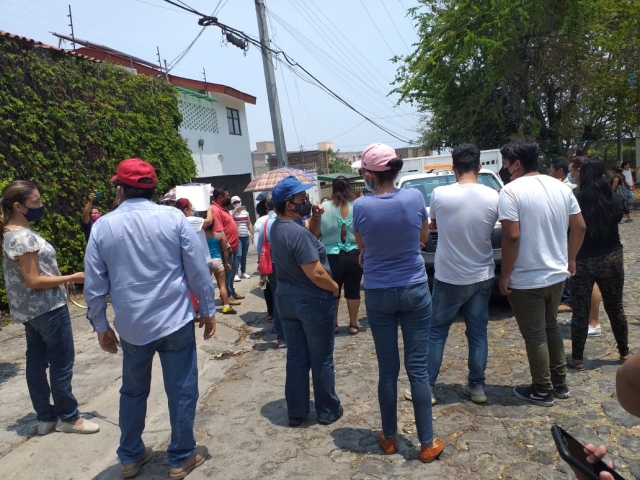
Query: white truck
(490,160)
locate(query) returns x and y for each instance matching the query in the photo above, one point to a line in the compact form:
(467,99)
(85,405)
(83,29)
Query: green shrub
(65,124)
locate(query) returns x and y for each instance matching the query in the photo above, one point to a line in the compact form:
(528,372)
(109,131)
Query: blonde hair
(16,191)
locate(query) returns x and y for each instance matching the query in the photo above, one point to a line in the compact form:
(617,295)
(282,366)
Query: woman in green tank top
(332,224)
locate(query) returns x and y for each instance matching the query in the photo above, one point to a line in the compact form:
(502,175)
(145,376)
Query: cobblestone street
(242,416)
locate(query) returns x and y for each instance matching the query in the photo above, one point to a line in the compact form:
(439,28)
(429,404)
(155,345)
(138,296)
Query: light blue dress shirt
(142,255)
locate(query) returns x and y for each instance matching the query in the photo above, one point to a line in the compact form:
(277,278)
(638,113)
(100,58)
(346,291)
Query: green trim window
(233,119)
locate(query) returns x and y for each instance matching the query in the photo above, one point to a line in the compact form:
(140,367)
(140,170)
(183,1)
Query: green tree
(337,164)
(65,124)
(487,71)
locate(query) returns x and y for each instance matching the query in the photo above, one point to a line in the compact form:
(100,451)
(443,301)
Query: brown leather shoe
(388,444)
(428,453)
(233,301)
(237,296)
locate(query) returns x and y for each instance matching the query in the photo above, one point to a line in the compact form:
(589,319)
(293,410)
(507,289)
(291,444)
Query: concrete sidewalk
(242,415)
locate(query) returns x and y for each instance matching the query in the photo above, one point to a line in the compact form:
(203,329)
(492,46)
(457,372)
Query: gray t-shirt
(25,303)
(292,245)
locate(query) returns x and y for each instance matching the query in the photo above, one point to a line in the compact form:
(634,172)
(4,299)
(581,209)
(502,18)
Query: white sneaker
(45,428)
(236,278)
(85,427)
(569,320)
(476,393)
(245,275)
(594,331)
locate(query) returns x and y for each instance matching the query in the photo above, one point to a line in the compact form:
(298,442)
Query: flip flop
(353,330)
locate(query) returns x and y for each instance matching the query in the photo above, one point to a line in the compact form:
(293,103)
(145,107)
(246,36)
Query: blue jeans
(180,373)
(409,307)
(273,280)
(243,251)
(228,275)
(50,344)
(473,300)
(308,330)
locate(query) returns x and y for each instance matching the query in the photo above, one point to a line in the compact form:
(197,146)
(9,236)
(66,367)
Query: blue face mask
(34,214)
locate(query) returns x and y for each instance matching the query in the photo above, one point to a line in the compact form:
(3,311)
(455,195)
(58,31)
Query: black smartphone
(572,452)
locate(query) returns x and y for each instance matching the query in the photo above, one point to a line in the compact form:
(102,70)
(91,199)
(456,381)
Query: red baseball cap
(133,170)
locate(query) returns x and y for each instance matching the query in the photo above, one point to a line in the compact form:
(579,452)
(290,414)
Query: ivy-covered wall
(65,124)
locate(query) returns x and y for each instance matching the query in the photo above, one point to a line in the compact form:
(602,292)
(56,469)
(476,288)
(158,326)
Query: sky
(346,44)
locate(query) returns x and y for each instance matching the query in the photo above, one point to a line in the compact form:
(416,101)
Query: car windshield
(426,185)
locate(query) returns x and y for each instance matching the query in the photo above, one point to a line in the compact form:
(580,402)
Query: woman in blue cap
(305,301)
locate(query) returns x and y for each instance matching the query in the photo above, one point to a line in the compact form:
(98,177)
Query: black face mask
(504,174)
(303,209)
(227,202)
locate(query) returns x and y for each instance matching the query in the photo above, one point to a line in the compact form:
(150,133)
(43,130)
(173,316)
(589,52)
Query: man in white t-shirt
(536,211)
(465,214)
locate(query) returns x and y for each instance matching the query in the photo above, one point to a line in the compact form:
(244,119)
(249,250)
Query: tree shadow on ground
(8,370)
(364,441)
(276,413)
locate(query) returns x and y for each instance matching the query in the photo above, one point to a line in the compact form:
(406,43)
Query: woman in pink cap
(396,291)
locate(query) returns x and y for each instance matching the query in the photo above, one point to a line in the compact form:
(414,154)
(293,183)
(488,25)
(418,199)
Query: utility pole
(73,38)
(272,92)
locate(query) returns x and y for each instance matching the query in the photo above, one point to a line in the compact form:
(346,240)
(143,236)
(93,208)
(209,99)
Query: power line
(376,25)
(407,17)
(161,6)
(322,59)
(372,73)
(394,24)
(209,21)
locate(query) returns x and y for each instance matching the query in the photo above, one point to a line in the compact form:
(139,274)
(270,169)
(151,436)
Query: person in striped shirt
(243,222)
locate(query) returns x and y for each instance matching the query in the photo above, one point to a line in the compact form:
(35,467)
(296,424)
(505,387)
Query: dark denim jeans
(473,300)
(50,344)
(229,275)
(273,281)
(243,251)
(180,373)
(410,308)
(308,330)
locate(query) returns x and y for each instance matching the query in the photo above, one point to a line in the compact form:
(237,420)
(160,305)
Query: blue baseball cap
(287,188)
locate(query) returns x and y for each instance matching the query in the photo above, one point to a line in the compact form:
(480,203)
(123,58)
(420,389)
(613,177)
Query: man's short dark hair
(466,158)
(560,163)
(135,192)
(281,208)
(524,149)
(218,192)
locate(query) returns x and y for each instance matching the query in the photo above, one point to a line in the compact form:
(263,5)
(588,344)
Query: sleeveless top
(214,247)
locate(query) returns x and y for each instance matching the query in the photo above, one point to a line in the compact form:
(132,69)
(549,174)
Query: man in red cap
(142,255)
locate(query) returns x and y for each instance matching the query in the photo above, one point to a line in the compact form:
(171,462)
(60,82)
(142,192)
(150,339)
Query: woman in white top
(37,299)
(243,222)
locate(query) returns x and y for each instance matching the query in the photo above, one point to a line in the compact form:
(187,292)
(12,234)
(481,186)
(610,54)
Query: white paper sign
(198,195)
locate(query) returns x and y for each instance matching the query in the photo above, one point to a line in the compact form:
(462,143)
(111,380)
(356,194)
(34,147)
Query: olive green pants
(536,312)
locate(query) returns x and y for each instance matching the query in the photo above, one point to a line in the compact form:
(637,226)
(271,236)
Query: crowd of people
(560,246)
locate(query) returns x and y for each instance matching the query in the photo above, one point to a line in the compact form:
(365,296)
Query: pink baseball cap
(377,156)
